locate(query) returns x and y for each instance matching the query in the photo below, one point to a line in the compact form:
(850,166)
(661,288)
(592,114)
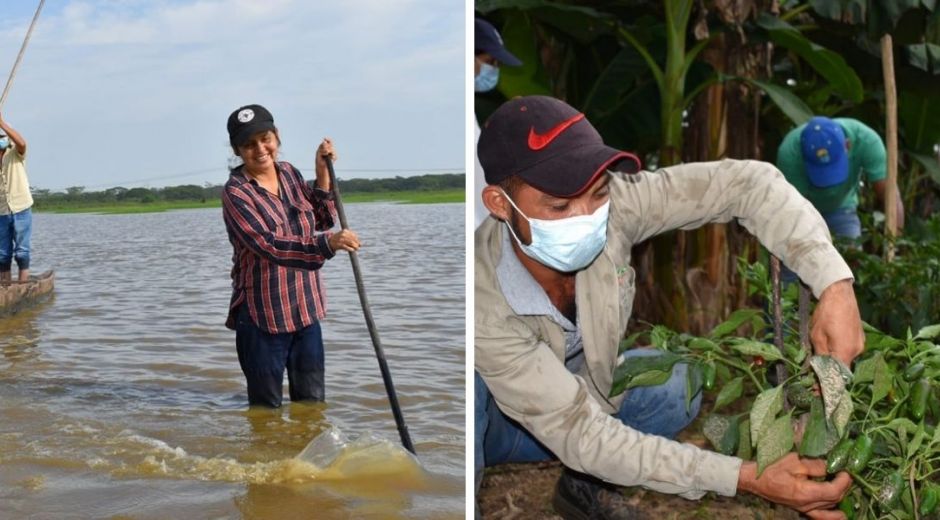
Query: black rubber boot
(581,497)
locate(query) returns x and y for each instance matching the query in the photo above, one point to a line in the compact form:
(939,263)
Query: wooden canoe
(14,296)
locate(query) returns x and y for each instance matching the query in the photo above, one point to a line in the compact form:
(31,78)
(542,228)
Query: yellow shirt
(14,187)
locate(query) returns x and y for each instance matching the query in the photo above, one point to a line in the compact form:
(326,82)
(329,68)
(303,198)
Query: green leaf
(919,116)
(582,21)
(730,393)
(630,373)
(776,442)
(924,56)
(903,424)
(928,332)
(703,344)
(918,439)
(882,380)
(828,64)
(815,436)
(843,413)
(865,371)
(830,372)
(757,348)
(613,83)
(660,335)
(792,106)
(528,78)
(722,432)
(744,440)
(628,343)
(734,321)
(650,378)
(767,405)
(932,168)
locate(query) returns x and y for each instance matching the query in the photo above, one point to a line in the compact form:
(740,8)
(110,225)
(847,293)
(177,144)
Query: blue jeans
(264,356)
(15,231)
(842,223)
(658,410)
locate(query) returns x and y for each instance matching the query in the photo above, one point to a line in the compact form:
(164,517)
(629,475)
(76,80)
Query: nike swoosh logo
(538,141)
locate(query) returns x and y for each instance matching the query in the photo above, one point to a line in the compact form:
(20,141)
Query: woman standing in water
(278,227)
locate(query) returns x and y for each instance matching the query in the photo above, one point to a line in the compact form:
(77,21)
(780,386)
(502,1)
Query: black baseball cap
(487,39)
(549,145)
(246,121)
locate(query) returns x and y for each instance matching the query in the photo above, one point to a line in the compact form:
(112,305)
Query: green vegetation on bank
(424,189)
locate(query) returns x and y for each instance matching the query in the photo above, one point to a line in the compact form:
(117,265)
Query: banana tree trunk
(695,271)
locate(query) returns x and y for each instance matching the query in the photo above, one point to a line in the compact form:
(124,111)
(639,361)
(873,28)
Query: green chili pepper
(920,391)
(891,490)
(708,370)
(702,344)
(893,397)
(839,455)
(928,500)
(847,506)
(914,372)
(861,454)
(799,396)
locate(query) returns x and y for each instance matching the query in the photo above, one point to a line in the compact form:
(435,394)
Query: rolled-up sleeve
(753,192)
(532,386)
(246,224)
(323,202)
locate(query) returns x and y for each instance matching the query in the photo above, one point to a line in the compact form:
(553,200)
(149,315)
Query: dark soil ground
(524,491)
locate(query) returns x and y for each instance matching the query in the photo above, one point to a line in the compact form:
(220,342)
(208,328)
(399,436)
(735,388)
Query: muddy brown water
(122,396)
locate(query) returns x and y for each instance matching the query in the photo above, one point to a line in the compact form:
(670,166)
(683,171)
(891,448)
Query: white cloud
(117,81)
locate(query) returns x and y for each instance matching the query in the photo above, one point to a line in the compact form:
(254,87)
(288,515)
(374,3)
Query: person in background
(489,53)
(554,292)
(826,160)
(15,202)
(279,230)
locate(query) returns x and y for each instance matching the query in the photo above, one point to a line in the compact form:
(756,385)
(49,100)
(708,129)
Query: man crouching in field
(554,291)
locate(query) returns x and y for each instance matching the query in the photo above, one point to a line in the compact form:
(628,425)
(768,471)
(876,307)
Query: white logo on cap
(246,115)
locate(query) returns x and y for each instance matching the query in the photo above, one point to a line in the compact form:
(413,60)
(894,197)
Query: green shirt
(867,161)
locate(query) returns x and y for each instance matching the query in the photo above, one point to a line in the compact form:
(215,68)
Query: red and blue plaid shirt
(279,245)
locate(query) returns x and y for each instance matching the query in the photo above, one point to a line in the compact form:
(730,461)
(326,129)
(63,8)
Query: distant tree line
(193,192)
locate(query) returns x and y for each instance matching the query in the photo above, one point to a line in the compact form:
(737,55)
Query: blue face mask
(4,142)
(567,244)
(487,79)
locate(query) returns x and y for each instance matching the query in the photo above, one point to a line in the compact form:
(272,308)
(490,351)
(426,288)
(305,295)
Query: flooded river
(122,396)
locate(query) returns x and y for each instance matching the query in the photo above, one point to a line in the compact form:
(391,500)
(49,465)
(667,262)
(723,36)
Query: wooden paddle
(367,311)
(19,57)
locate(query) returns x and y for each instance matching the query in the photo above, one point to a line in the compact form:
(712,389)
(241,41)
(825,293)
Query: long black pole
(19,57)
(370,323)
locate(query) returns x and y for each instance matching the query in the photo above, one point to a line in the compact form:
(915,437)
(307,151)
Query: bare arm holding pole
(14,136)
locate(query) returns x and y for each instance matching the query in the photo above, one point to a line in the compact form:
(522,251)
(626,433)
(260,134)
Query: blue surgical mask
(567,244)
(4,142)
(487,79)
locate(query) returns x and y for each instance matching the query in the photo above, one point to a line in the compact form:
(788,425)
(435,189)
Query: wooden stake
(891,113)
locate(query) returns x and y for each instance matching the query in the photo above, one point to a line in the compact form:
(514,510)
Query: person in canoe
(279,230)
(15,203)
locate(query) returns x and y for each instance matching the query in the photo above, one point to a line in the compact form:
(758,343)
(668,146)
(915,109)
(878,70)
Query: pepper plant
(878,423)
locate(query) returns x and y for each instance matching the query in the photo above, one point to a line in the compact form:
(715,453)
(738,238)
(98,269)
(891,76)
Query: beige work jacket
(521,358)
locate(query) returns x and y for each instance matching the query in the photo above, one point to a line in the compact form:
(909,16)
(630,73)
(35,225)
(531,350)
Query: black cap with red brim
(549,145)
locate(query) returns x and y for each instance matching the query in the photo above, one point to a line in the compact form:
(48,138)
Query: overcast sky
(137,92)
